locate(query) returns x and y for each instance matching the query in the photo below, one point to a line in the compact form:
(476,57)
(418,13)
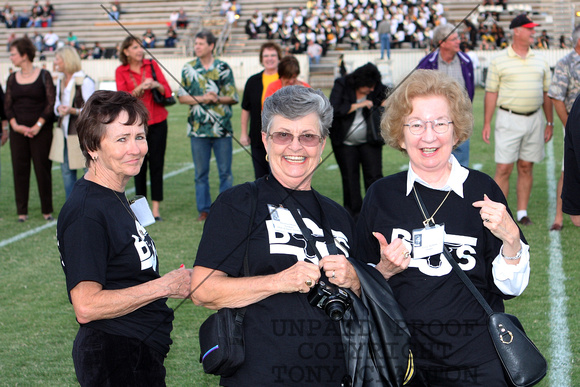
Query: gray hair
(441,32)
(575,35)
(294,102)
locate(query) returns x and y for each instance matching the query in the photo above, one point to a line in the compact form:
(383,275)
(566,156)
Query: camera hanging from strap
(324,295)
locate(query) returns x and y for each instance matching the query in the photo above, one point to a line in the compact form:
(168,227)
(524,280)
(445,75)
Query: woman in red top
(288,72)
(135,76)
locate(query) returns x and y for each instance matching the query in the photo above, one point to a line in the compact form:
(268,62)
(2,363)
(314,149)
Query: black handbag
(374,136)
(522,362)
(221,336)
(157,96)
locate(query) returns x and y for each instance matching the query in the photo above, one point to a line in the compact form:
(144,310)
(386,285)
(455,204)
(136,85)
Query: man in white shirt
(314,52)
(50,40)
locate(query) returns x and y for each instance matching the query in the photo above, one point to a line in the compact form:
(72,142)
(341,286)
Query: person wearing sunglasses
(428,116)
(282,268)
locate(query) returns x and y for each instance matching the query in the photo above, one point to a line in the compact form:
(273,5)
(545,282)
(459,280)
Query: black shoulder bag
(157,96)
(221,336)
(522,361)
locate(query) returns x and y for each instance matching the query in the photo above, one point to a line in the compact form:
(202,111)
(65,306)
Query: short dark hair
(270,45)
(24,46)
(207,35)
(366,75)
(288,67)
(126,43)
(103,108)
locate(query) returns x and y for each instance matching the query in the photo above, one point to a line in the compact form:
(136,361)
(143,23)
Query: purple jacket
(429,62)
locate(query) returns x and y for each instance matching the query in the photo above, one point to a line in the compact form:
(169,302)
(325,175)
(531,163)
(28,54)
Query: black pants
(350,158)
(102,359)
(23,149)
(155,158)
(485,375)
(261,166)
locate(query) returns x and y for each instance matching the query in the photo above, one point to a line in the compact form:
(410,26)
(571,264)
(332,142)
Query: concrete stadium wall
(402,62)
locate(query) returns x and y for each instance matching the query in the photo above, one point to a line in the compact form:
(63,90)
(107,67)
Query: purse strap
(153,71)
(476,293)
(241,312)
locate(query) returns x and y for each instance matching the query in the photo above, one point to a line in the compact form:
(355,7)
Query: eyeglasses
(418,127)
(285,138)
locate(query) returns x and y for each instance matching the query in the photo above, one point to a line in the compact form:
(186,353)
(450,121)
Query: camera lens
(335,309)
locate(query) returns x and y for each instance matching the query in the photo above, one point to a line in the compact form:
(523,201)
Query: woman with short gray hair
(282,266)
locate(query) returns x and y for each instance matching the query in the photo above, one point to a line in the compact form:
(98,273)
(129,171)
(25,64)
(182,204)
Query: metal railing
(223,38)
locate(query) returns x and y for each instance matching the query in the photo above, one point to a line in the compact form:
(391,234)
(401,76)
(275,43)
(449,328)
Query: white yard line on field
(36,230)
(560,367)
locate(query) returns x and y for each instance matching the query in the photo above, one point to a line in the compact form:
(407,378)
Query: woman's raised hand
(395,257)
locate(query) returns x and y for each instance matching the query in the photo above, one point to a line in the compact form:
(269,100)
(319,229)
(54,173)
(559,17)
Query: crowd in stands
(354,21)
(330,22)
(50,41)
(37,16)
(484,33)
(178,19)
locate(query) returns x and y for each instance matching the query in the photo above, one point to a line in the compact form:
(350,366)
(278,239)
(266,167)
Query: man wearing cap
(449,59)
(517,83)
(564,89)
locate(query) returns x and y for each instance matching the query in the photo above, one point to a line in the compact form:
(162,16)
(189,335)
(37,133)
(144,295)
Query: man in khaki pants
(517,83)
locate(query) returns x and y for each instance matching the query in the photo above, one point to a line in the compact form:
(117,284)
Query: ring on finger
(308,282)
(486,220)
(333,275)
(406,254)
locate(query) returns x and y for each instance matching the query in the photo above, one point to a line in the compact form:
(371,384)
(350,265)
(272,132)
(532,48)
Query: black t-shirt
(252,102)
(99,240)
(288,341)
(447,324)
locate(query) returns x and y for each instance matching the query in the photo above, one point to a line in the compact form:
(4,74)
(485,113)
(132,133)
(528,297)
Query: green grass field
(37,324)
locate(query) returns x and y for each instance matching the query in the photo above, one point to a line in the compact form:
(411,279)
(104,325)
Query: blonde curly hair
(424,83)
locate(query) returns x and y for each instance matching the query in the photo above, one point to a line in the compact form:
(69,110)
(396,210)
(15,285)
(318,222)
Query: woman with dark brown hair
(29,104)
(136,76)
(288,72)
(109,260)
(357,99)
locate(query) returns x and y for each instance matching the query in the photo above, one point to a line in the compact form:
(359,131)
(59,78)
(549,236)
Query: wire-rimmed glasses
(418,127)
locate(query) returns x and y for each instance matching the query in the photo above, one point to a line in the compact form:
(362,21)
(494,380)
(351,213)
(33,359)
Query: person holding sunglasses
(282,267)
(428,116)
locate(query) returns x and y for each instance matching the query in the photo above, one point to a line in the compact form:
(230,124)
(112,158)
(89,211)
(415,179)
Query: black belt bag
(221,336)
